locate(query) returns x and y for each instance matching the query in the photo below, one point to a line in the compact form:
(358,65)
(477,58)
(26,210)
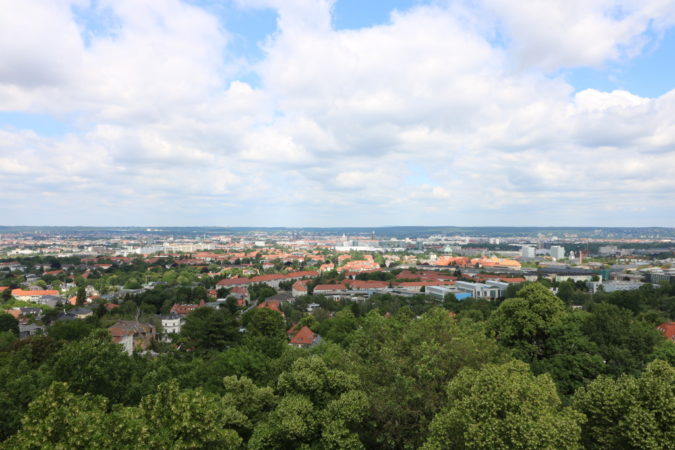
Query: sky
(337,112)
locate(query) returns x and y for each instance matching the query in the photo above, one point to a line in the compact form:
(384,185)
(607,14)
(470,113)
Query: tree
(318,406)
(566,290)
(405,365)
(252,401)
(132,283)
(339,327)
(569,356)
(208,328)
(259,292)
(629,412)
(523,323)
(81,296)
(266,331)
(70,330)
(60,419)
(189,419)
(9,323)
(624,342)
(95,365)
(503,407)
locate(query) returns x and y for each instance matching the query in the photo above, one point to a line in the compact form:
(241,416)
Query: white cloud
(338,118)
(566,33)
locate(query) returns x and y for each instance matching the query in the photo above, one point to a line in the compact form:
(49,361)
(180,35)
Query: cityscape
(337,224)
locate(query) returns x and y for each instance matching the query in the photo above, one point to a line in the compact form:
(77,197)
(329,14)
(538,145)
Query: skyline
(308,113)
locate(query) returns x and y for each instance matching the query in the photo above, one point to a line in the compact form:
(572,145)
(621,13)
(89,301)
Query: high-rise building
(557,252)
(527,251)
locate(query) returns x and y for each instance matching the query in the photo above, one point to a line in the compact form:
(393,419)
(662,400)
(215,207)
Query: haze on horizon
(335,113)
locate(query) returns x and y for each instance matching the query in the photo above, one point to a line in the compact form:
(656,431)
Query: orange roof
(16,313)
(668,330)
(305,273)
(73,300)
(271,304)
(53,272)
(22,293)
(372,284)
(184,310)
(513,279)
(461,261)
(233,282)
(326,267)
(329,287)
(270,277)
(2,288)
(304,337)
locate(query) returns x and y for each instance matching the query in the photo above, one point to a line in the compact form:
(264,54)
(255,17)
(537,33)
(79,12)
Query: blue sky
(326,113)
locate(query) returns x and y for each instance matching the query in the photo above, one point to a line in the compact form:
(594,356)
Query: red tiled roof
(668,329)
(269,277)
(303,337)
(271,304)
(53,272)
(513,279)
(305,273)
(21,292)
(2,288)
(329,287)
(184,310)
(233,282)
(16,313)
(372,284)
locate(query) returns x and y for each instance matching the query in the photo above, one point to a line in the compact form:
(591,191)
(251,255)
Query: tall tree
(318,406)
(9,323)
(208,328)
(523,323)
(503,407)
(629,412)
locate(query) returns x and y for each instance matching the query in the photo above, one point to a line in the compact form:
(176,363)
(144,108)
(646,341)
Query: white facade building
(557,252)
(527,251)
(171,324)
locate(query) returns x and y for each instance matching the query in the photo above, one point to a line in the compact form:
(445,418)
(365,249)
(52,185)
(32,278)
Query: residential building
(81,313)
(305,338)
(30,329)
(171,324)
(668,330)
(33,295)
(184,310)
(141,334)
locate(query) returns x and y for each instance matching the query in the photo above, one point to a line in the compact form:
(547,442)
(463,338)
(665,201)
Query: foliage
(503,407)
(9,323)
(629,412)
(208,328)
(523,323)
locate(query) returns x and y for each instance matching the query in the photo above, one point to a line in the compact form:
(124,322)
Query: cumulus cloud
(167,131)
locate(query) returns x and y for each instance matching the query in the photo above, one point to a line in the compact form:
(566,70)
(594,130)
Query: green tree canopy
(504,407)
(629,412)
(9,323)
(523,323)
(208,328)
